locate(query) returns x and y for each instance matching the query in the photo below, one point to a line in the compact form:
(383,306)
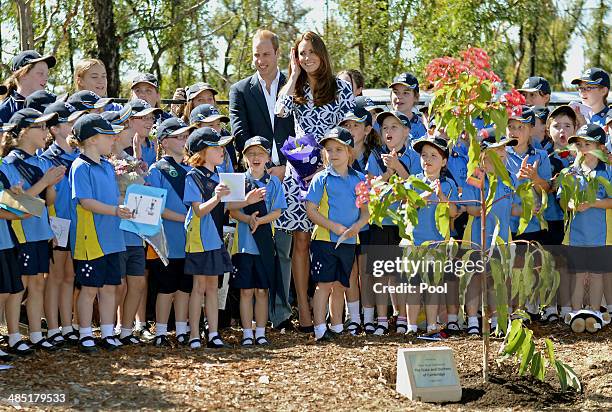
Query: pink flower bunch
(474,61)
(514,101)
(362,190)
(123,166)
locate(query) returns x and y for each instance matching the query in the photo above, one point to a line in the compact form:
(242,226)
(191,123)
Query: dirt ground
(294,373)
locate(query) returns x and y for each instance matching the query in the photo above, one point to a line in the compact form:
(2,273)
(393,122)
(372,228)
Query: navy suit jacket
(249,115)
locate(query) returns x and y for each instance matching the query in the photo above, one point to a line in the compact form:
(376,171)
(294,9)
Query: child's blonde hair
(82,67)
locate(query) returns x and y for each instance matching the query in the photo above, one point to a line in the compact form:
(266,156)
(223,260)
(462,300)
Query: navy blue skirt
(210,263)
(10,272)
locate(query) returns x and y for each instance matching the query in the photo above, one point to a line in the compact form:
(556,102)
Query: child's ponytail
(9,142)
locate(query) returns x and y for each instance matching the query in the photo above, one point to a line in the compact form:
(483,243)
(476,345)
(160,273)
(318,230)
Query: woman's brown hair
(325,91)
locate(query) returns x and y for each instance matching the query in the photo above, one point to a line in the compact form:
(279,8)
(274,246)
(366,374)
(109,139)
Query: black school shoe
(44,344)
(5,357)
(72,338)
(216,343)
(286,324)
(306,329)
(19,349)
(162,341)
(130,340)
(87,349)
(328,336)
(108,343)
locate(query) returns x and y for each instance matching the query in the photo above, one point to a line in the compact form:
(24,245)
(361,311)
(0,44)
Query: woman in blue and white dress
(318,101)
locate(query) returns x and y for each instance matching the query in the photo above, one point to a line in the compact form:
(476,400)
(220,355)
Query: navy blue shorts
(247,272)
(328,264)
(171,278)
(133,261)
(34,257)
(589,259)
(10,272)
(210,263)
(97,273)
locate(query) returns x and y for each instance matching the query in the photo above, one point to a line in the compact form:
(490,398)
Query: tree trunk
(360,45)
(108,44)
(599,34)
(533,41)
(26,31)
(519,60)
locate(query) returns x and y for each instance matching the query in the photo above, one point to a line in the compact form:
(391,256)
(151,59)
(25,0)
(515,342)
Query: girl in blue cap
(593,86)
(21,165)
(404,98)
(330,204)
(96,239)
(206,257)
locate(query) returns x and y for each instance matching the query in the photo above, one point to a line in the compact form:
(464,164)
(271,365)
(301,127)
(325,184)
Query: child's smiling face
(394,133)
(256,158)
(403,98)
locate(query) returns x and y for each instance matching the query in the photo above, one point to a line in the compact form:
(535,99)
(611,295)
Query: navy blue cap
(140,108)
(87,100)
(437,142)
(395,113)
(541,112)
(358,114)
(195,89)
(145,78)
(92,124)
(407,79)
(591,132)
(524,115)
(30,57)
(205,137)
(258,141)
(368,104)
(565,110)
(39,100)
(535,84)
(594,76)
(65,113)
(25,118)
(206,113)
(339,134)
(171,127)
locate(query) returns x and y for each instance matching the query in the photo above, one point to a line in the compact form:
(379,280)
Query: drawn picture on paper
(235,182)
(145,209)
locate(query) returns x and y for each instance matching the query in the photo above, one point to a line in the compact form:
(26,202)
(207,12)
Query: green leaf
(537,366)
(501,294)
(606,184)
(574,380)
(550,351)
(561,375)
(527,350)
(443,219)
(525,192)
(493,188)
(500,168)
(515,338)
(474,156)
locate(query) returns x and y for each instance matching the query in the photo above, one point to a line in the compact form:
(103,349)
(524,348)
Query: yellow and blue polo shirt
(275,200)
(501,211)
(202,232)
(513,163)
(335,196)
(93,235)
(57,156)
(33,229)
(426,229)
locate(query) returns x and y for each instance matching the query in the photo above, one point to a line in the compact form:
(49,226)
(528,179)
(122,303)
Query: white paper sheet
(235,182)
(145,209)
(60,228)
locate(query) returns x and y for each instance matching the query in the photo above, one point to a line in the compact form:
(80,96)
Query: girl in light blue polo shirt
(434,159)
(330,205)
(95,237)
(256,269)
(28,133)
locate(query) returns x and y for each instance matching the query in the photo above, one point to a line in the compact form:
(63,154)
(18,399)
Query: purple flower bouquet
(304,155)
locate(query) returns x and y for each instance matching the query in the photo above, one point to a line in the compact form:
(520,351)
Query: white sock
(211,335)
(85,332)
(14,338)
(181,328)
(472,321)
(353,309)
(35,337)
(260,332)
(66,330)
(106,331)
(401,320)
(138,325)
(368,315)
(125,332)
(161,329)
(319,330)
(565,310)
(383,321)
(609,308)
(52,332)
(451,318)
(337,328)
(432,327)
(413,328)
(247,333)
(493,322)
(75,327)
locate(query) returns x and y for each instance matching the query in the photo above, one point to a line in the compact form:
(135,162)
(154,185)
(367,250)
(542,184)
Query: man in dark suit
(251,107)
